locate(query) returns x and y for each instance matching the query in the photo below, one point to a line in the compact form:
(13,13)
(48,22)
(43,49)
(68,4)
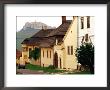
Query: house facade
(86,26)
(18,56)
(57,46)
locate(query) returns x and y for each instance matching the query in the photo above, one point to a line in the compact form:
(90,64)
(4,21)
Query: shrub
(35,54)
(85,55)
(51,67)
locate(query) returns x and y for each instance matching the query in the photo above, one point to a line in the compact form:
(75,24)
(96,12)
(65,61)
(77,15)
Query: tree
(35,54)
(85,55)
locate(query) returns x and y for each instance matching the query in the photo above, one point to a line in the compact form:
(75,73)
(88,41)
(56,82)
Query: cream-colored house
(57,46)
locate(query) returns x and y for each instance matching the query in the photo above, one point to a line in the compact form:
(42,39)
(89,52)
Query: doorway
(55,61)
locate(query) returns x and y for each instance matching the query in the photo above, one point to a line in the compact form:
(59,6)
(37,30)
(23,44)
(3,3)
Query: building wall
(35,62)
(26,54)
(70,39)
(21,61)
(85,30)
(46,61)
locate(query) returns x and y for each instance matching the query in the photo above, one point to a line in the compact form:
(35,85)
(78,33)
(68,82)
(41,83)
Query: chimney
(63,19)
(44,27)
(73,17)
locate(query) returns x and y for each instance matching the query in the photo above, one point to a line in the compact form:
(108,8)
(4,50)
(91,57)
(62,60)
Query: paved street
(27,71)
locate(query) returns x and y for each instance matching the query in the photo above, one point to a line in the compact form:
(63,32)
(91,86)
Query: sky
(51,21)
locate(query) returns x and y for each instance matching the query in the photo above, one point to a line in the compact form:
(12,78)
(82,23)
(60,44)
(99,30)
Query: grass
(44,69)
(50,70)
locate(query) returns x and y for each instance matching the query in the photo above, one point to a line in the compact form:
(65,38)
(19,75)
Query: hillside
(21,35)
(28,30)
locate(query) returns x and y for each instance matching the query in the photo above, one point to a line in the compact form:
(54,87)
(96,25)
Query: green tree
(35,54)
(85,55)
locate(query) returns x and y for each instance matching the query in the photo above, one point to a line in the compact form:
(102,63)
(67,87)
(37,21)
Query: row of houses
(58,46)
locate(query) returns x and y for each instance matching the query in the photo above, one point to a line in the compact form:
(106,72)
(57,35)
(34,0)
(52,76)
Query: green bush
(35,54)
(51,67)
(85,55)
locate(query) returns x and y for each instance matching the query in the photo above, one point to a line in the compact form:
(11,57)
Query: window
(30,52)
(88,21)
(43,53)
(86,37)
(25,56)
(71,50)
(50,54)
(25,49)
(35,48)
(68,50)
(47,53)
(82,22)
(82,39)
(30,49)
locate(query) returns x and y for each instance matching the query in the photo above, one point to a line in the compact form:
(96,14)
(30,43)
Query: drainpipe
(77,33)
(77,28)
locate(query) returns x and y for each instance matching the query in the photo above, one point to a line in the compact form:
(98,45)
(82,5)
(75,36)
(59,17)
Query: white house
(85,29)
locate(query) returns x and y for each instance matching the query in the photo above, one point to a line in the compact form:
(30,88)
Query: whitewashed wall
(85,30)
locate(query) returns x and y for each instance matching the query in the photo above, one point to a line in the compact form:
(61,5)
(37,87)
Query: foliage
(35,54)
(51,67)
(85,55)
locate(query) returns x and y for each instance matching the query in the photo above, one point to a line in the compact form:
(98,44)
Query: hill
(28,30)
(21,35)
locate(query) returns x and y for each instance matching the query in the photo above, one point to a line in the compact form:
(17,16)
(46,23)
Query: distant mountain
(28,30)
(36,25)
